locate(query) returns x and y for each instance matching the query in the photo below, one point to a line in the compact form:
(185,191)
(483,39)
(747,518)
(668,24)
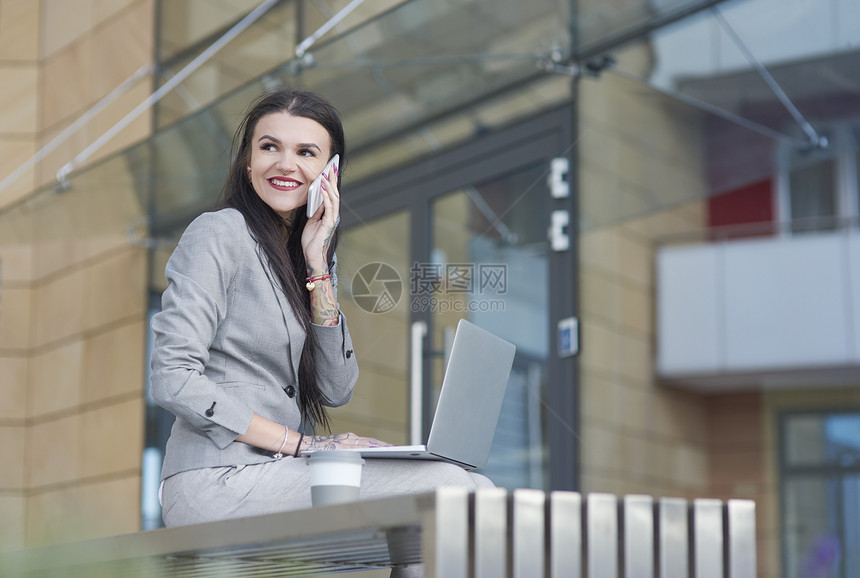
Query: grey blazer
(227,346)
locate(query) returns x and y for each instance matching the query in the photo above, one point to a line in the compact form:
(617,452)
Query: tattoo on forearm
(324,304)
(339,441)
(321,443)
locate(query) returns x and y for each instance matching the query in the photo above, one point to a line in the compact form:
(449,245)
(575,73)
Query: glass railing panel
(263,46)
(543,93)
(267,44)
(317,14)
(428,75)
(639,151)
(407,82)
(427,58)
(685,114)
(600,21)
(190,163)
(184,23)
(715,56)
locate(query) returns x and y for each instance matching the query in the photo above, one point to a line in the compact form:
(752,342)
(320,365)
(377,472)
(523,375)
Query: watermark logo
(377,288)
(434,287)
(480,278)
(457,287)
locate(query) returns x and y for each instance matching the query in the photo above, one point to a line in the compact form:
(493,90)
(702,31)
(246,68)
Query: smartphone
(314,194)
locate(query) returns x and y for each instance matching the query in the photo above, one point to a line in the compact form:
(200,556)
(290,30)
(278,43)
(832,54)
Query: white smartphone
(314,194)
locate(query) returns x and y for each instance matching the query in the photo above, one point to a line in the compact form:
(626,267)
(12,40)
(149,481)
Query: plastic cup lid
(341,456)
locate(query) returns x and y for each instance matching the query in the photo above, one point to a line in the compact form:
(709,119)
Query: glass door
(464,235)
(490,252)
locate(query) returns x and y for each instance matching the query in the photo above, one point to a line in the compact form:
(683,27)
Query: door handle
(416,389)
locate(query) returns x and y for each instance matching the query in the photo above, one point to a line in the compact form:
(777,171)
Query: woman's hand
(316,239)
(320,227)
(341,441)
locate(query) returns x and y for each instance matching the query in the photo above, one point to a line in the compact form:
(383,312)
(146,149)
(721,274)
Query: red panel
(749,204)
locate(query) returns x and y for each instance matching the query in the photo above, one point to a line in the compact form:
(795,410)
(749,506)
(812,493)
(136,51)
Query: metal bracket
(557,178)
(559,240)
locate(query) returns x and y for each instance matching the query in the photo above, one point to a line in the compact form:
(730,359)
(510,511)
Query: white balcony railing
(745,314)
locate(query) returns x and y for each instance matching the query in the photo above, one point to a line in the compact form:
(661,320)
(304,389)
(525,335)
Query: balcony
(759,313)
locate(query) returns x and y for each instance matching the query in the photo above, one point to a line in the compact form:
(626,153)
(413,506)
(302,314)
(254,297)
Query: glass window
(821,494)
(816,441)
(812,192)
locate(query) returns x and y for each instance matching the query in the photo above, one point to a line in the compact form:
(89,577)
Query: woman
(250,346)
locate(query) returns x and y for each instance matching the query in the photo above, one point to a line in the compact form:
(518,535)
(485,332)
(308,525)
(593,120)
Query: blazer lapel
(295,332)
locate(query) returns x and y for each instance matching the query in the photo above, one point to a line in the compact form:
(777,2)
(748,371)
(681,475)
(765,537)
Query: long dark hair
(286,259)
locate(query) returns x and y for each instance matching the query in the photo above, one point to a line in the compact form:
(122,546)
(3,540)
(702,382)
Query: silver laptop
(469,403)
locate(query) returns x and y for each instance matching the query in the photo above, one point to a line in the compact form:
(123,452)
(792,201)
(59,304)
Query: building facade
(657,202)
(72,327)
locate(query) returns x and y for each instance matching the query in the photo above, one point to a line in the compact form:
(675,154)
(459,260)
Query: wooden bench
(491,533)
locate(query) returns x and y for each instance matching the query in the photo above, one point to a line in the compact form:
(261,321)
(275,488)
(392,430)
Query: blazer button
(348,353)
(291,391)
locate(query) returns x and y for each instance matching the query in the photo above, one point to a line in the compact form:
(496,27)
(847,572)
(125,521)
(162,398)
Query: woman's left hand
(320,227)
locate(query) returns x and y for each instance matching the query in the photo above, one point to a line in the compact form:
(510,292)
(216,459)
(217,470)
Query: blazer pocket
(241,385)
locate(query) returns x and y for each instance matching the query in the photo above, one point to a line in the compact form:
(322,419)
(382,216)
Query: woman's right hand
(341,441)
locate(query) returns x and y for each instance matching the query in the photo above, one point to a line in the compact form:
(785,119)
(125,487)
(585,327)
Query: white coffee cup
(335,476)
